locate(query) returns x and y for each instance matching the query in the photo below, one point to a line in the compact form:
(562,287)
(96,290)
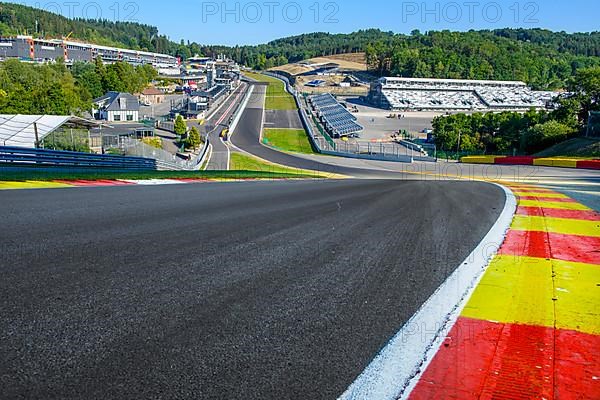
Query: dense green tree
(39,89)
(180,127)
(585,86)
(193,140)
(53,89)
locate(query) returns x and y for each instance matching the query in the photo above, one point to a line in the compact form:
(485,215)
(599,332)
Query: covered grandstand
(31,130)
(336,119)
(415,94)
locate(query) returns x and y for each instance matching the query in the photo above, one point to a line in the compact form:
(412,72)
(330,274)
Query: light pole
(458,145)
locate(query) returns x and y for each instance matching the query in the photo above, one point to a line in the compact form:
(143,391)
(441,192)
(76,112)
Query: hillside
(350,61)
(542,58)
(578,147)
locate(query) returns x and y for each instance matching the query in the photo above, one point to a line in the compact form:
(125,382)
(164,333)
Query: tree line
(522,133)
(542,58)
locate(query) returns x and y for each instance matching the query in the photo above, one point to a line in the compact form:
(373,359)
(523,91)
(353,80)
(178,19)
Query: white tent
(20,130)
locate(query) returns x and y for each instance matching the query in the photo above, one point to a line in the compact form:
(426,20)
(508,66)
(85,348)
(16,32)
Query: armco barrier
(515,160)
(560,162)
(479,159)
(26,157)
(588,164)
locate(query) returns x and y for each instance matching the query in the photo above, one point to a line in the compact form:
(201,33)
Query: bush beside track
(561,162)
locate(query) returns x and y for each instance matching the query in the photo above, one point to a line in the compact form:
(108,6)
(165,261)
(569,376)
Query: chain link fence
(164,159)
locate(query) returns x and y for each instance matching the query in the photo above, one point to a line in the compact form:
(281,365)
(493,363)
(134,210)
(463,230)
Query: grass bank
(277,97)
(243,162)
(294,140)
(247,170)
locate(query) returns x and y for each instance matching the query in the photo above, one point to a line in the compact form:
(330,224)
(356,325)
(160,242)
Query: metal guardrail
(27,157)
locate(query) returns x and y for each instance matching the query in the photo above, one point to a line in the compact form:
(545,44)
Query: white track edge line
(396,369)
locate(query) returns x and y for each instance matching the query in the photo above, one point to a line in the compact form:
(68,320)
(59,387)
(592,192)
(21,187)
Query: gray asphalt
(258,290)
(247,138)
(219,159)
(285,119)
(582,185)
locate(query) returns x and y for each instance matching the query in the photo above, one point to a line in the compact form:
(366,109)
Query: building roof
(19,130)
(152,91)
(459,81)
(111,102)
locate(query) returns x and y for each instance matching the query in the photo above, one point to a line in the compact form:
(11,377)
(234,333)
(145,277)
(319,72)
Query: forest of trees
(528,133)
(53,89)
(542,58)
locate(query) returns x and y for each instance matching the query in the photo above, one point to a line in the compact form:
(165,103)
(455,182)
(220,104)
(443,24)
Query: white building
(400,94)
(117,107)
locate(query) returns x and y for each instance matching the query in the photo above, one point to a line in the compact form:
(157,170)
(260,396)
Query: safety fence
(164,159)
(27,157)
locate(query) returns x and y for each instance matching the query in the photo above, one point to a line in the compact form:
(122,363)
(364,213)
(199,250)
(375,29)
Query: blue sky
(258,21)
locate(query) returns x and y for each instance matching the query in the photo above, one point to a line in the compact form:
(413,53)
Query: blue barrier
(26,157)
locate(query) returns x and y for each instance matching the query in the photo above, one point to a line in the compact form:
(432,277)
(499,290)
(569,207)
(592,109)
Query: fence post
(37,137)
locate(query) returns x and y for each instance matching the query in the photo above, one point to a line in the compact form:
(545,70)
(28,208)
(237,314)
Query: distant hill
(578,147)
(542,58)
(348,61)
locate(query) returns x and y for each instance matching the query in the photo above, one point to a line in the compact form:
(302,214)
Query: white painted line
(241,110)
(228,153)
(153,182)
(225,101)
(397,368)
(210,152)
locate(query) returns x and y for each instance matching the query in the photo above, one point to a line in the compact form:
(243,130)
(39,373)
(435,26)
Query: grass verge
(277,97)
(243,162)
(35,174)
(294,140)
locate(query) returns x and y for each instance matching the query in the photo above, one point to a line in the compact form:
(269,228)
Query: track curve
(242,291)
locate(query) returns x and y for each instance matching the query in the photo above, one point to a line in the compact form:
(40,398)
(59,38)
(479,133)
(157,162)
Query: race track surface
(207,291)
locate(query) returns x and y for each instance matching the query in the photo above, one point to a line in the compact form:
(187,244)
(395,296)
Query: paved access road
(249,290)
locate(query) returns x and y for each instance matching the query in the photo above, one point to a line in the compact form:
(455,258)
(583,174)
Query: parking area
(380,127)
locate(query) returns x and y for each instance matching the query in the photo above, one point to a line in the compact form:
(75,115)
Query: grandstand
(406,94)
(335,118)
(27,48)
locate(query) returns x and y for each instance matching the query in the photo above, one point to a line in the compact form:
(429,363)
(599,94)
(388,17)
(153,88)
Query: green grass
(294,140)
(277,97)
(243,162)
(248,171)
(578,147)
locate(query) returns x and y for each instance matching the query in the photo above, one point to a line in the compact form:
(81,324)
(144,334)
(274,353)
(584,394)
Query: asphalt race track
(247,138)
(241,291)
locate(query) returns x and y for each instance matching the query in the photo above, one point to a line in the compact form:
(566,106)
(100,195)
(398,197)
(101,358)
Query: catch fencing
(164,159)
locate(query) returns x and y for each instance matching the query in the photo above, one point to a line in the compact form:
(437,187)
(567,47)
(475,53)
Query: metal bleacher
(337,120)
(25,157)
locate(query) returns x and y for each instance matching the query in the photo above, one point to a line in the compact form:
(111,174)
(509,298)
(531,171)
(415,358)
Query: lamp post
(458,145)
